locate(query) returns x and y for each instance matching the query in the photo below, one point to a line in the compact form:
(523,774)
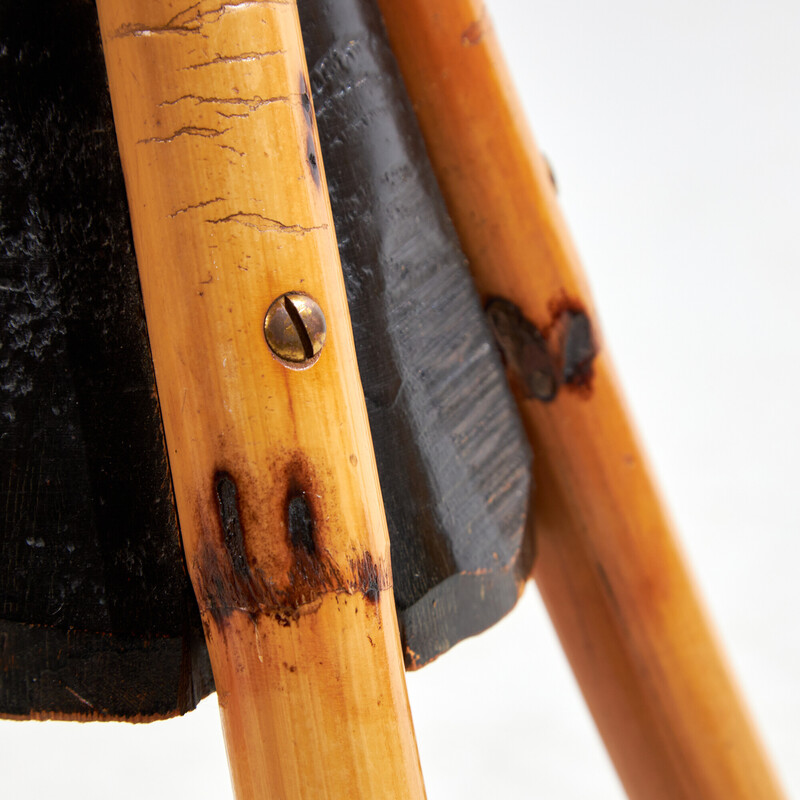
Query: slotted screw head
(295,329)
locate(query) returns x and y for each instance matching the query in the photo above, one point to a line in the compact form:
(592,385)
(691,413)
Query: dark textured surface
(94,599)
(453,464)
(578,348)
(228,584)
(524,349)
(541,362)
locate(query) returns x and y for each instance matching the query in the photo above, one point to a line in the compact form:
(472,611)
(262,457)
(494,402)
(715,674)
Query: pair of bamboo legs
(274,474)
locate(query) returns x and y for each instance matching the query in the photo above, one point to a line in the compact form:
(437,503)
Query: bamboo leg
(274,475)
(609,569)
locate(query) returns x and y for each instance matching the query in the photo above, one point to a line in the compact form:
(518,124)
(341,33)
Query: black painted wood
(452,458)
(97,617)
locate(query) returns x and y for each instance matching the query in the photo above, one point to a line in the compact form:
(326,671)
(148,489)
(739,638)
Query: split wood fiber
(274,475)
(609,568)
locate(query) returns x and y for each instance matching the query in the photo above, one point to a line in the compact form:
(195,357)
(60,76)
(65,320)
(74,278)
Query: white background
(674,131)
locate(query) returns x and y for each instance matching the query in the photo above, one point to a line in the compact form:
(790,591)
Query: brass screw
(295,330)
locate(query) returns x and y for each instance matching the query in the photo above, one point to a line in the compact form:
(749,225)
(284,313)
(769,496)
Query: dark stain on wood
(311,157)
(228,503)
(575,345)
(541,361)
(577,349)
(473,34)
(524,350)
(300,521)
(225,588)
(369,577)
(305,101)
(311,149)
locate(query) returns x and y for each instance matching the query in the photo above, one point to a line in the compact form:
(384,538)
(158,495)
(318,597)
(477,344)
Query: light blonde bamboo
(609,568)
(229,211)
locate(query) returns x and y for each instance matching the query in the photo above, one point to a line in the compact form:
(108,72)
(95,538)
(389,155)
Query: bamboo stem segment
(274,474)
(609,568)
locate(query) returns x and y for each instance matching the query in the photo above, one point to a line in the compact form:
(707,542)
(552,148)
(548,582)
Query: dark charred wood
(96,611)
(540,362)
(228,583)
(452,458)
(232,532)
(524,350)
(577,348)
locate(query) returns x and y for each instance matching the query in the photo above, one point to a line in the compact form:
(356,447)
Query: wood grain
(610,569)
(275,480)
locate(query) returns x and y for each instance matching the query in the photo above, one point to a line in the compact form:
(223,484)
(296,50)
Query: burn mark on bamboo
(524,350)
(229,516)
(227,582)
(305,101)
(542,361)
(577,348)
(300,521)
(573,343)
(369,577)
(311,147)
(473,34)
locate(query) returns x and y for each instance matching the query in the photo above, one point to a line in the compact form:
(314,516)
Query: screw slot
(294,328)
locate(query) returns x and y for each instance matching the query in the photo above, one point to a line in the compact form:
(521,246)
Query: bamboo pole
(274,475)
(609,568)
